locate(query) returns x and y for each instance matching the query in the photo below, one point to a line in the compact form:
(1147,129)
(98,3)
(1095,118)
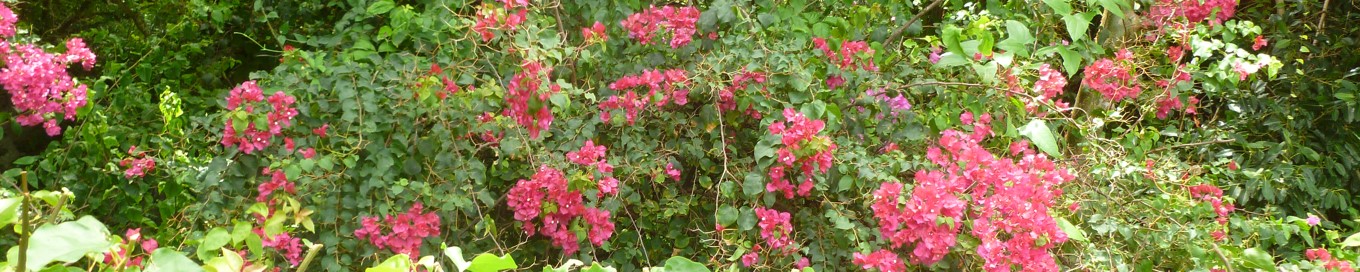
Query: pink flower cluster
(1049,86)
(1329,263)
(1114,79)
(137,163)
(547,196)
(1165,12)
(287,245)
(680,21)
(489,19)
(850,53)
(133,236)
(884,260)
(776,229)
(727,99)
(896,104)
(450,87)
(405,231)
(277,179)
(592,156)
(594,33)
(245,98)
(803,149)
(1214,196)
(39,86)
(529,105)
(1169,103)
(1010,203)
(663,82)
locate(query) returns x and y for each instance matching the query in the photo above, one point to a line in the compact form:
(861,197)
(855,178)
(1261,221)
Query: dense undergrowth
(1101,135)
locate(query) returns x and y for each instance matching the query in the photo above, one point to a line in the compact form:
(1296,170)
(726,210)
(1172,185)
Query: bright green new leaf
(1037,131)
(169,259)
(381,7)
(1018,38)
(1077,25)
(66,242)
(230,261)
(486,262)
(1259,259)
(1352,241)
(682,264)
(1073,232)
(397,263)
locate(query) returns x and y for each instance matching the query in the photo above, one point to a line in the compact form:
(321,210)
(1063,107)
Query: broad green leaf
(1077,25)
(1352,241)
(9,211)
(455,254)
(1259,259)
(1113,6)
(230,261)
(752,185)
(727,215)
(988,42)
(1018,39)
(486,262)
(216,239)
(1038,132)
(397,263)
(682,264)
(381,7)
(67,242)
(1059,6)
(951,39)
(240,232)
(169,259)
(1073,232)
(1071,59)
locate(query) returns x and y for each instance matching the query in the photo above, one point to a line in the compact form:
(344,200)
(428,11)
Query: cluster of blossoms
(528,104)
(1114,79)
(287,245)
(896,104)
(1167,12)
(1329,263)
(803,150)
(489,19)
(1244,69)
(244,99)
(777,231)
(1010,204)
(680,21)
(595,33)
(1170,102)
(39,86)
(1214,196)
(277,179)
(134,237)
(548,196)
(137,163)
(727,99)
(850,53)
(884,260)
(406,231)
(1049,85)
(662,88)
(450,87)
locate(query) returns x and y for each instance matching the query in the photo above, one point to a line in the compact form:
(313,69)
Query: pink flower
(1313,220)
(7,21)
(407,230)
(935,55)
(321,131)
(679,21)
(833,82)
(149,245)
(775,228)
(1259,42)
(672,172)
(750,258)
(308,153)
(883,260)
(670,84)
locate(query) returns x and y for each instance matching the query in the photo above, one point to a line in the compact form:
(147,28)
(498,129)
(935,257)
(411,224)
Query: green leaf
(216,239)
(67,242)
(1059,6)
(486,262)
(381,7)
(682,264)
(1018,38)
(1071,59)
(455,254)
(1037,131)
(951,39)
(727,215)
(1073,232)
(1077,25)
(1259,259)
(230,261)
(1352,241)
(752,185)
(988,42)
(169,259)
(9,211)
(240,232)
(1113,7)
(397,263)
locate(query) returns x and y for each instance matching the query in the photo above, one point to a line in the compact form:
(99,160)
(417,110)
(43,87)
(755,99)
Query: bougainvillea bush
(1050,135)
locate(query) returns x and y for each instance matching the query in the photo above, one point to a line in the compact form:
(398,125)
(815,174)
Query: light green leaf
(398,263)
(1073,232)
(1059,6)
(752,185)
(486,262)
(1037,131)
(682,264)
(1077,25)
(380,7)
(1259,259)
(9,211)
(1352,241)
(169,259)
(951,39)
(216,239)
(67,242)
(1113,7)
(455,254)
(1018,38)
(230,261)
(727,215)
